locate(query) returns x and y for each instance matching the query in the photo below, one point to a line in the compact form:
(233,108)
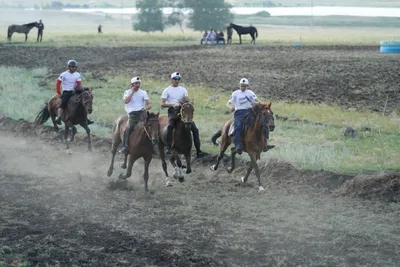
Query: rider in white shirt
(241,102)
(170,99)
(136,105)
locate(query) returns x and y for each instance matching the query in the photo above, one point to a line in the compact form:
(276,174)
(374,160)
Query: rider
(69,79)
(170,99)
(241,102)
(136,105)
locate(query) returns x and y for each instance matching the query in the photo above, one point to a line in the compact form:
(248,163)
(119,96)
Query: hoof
(168,184)
(242,179)
(188,171)
(90,150)
(181,179)
(122,176)
(69,151)
(109,173)
(229,170)
(213,168)
(261,189)
(123,165)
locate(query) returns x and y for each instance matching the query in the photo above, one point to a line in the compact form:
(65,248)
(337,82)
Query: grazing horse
(25,28)
(141,142)
(181,140)
(245,30)
(78,108)
(261,118)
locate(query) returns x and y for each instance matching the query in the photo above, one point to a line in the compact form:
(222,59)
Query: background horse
(141,142)
(181,140)
(253,140)
(245,30)
(79,106)
(25,28)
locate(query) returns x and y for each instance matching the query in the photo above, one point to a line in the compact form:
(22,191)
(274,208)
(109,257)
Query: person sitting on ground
(212,36)
(204,37)
(221,37)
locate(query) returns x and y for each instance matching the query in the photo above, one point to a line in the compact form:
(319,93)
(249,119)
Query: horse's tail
(43,115)
(256,32)
(9,32)
(215,137)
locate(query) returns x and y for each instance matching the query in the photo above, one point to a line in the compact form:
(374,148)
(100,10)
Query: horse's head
(153,127)
(87,99)
(266,115)
(186,112)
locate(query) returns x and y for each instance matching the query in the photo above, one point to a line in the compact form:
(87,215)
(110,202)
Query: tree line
(204,14)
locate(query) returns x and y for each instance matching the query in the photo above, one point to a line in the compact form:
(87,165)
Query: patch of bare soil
(349,76)
(60,209)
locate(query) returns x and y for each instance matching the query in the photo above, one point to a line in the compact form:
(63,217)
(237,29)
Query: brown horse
(25,29)
(141,142)
(181,140)
(79,106)
(253,139)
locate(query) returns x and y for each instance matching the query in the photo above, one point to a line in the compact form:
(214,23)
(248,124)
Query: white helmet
(244,81)
(135,80)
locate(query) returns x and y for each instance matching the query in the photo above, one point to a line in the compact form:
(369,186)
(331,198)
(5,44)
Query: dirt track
(52,213)
(350,76)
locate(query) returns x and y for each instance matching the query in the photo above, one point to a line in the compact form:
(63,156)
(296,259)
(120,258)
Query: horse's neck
(183,133)
(257,127)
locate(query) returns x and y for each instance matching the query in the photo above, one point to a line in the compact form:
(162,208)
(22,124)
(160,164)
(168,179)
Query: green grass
(306,145)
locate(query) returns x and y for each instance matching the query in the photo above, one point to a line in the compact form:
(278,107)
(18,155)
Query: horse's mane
(151,115)
(30,24)
(185,100)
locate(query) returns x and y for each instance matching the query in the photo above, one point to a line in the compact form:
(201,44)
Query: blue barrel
(390,46)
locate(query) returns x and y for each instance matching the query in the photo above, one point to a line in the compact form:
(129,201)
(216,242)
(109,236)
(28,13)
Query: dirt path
(61,209)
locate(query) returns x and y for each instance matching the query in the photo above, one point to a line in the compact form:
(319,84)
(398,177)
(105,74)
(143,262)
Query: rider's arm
(58,87)
(78,83)
(147,102)
(230,106)
(164,103)
(128,97)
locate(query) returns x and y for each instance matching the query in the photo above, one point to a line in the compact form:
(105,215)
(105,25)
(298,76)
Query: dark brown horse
(141,142)
(253,139)
(245,30)
(25,28)
(181,140)
(79,106)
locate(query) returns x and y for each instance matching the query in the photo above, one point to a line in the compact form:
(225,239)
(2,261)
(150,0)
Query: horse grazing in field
(25,28)
(245,30)
(78,108)
(141,141)
(260,118)
(181,140)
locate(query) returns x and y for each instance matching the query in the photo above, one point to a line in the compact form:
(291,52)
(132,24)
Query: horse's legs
(26,37)
(244,178)
(115,144)
(256,170)
(86,127)
(53,119)
(146,173)
(74,131)
(163,162)
(225,143)
(253,40)
(123,164)
(240,38)
(233,153)
(66,130)
(188,158)
(128,173)
(177,166)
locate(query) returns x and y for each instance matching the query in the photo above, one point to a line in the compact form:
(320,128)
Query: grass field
(306,145)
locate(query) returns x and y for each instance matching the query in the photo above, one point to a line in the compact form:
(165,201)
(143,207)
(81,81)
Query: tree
(207,14)
(176,17)
(150,16)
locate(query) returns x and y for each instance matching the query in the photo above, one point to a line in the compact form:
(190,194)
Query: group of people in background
(212,37)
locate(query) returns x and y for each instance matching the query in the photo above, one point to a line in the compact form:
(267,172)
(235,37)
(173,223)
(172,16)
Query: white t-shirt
(137,101)
(242,100)
(69,80)
(173,94)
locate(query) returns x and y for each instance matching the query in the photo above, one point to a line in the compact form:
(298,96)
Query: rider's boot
(125,148)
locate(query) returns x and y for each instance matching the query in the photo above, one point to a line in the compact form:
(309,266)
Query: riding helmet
(72,63)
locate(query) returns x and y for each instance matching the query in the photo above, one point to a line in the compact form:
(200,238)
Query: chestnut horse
(141,141)
(253,140)
(181,140)
(79,106)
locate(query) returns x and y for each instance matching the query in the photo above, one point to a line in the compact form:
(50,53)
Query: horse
(79,106)
(141,141)
(181,140)
(245,30)
(261,118)
(25,28)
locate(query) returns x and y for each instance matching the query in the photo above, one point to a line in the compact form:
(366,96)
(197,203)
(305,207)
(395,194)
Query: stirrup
(124,150)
